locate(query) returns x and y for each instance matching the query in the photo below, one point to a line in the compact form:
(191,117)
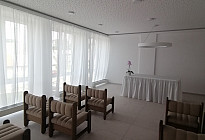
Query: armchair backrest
(167,132)
(33,100)
(100,94)
(71,89)
(185,108)
(62,108)
(67,109)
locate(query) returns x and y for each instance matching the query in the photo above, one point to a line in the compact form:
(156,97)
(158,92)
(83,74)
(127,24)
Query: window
(61,59)
(16,62)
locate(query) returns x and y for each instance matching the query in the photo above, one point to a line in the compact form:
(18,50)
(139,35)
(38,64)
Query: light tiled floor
(133,120)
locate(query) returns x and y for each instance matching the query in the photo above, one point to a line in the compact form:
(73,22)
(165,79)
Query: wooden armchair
(66,118)
(167,132)
(9,131)
(35,109)
(73,94)
(97,100)
(184,115)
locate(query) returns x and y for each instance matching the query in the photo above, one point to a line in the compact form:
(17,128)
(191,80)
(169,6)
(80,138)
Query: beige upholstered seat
(35,109)
(184,115)
(167,132)
(11,132)
(67,118)
(74,97)
(66,121)
(73,94)
(97,100)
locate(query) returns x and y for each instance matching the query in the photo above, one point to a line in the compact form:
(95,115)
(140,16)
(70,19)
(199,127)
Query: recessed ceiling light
(116,31)
(156,25)
(71,12)
(136,0)
(100,24)
(151,19)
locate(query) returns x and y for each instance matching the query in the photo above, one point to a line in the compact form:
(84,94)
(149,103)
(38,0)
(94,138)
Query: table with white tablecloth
(151,88)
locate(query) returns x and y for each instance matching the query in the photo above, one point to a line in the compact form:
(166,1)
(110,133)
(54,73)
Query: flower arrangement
(129,71)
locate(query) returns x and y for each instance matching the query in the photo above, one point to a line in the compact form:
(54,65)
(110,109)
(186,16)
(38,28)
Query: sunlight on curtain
(100,48)
(62,43)
(38,55)
(78,56)
(79,67)
(24,49)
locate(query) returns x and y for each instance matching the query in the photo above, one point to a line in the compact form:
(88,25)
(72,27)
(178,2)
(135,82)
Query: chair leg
(79,105)
(27,134)
(43,128)
(86,108)
(50,130)
(89,122)
(112,104)
(74,136)
(43,125)
(104,116)
(26,121)
(105,113)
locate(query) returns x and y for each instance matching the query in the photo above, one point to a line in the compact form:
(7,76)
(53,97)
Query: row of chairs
(69,115)
(62,116)
(94,99)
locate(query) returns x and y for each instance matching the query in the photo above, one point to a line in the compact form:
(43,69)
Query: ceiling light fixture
(100,24)
(154,44)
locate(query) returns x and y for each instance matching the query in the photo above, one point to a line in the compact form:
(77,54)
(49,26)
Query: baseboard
(199,94)
(114,83)
(99,83)
(11,109)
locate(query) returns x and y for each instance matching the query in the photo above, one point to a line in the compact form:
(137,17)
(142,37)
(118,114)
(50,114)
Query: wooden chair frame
(100,109)
(72,131)
(26,133)
(198,130)
(42,120)
(161,130)
(79,97)
(203,127)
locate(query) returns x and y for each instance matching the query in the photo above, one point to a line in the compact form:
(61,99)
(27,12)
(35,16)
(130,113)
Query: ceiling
(124,16)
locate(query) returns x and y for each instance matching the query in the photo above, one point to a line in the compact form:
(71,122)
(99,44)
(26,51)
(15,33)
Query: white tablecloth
(151,88)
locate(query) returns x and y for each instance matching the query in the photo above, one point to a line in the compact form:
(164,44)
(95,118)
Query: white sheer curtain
(38,55)
(79,68)
(62,44)
(25,58)
(78,56)
(100,48)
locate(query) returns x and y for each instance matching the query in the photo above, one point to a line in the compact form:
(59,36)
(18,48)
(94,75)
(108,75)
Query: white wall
(185,59)
(123,48)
